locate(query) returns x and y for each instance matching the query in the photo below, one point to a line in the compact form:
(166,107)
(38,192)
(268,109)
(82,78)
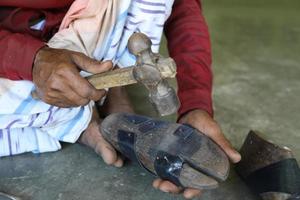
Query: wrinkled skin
(58,83)
(116,101)
(56,77)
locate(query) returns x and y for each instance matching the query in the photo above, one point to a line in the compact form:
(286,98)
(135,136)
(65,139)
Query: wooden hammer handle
(114,78)
(124,76)
(118,77)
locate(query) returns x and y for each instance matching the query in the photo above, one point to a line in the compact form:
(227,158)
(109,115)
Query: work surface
(256,86)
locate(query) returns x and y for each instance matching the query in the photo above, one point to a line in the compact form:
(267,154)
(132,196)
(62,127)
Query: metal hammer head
(151,71)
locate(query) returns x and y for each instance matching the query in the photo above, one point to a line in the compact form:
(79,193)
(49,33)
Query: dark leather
(283,176)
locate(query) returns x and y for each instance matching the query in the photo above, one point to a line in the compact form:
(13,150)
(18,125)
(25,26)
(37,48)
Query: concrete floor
(257,86)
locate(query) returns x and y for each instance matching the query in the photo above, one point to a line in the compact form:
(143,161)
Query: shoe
(171,151)
(269,170)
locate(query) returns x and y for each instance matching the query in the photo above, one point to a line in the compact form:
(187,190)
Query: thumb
(90,65)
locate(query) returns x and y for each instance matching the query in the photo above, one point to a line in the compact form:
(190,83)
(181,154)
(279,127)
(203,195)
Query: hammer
(151,70)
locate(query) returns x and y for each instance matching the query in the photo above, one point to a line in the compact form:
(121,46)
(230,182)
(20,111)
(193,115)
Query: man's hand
(202,121)
(56,76)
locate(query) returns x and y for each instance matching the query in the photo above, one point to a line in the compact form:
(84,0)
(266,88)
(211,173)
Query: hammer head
(151,70)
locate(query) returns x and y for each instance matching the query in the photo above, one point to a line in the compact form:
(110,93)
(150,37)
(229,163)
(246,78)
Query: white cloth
(28,125)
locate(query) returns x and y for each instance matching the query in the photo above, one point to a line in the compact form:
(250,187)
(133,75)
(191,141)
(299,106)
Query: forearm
(189,45)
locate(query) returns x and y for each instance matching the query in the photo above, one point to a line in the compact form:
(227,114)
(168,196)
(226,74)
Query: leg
(116,101)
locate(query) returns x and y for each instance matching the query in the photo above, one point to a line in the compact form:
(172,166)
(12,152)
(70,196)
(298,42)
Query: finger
(97,94)
(75,99)
(82,87)
(212,129)
(57,98)
(65,93)
(191,193)
(222,141)
(90,65)
(156,183)
(167,186)
(63,103)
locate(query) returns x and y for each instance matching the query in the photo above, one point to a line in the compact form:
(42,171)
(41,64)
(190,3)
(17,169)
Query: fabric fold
(99,29)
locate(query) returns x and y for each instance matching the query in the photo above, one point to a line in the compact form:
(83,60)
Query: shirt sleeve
(19,43)
(17,54)
(36,4)
(189,44)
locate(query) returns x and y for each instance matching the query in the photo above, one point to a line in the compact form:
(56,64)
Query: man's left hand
(202,121)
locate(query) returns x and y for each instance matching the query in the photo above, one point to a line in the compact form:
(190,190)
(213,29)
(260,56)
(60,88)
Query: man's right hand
(56,76)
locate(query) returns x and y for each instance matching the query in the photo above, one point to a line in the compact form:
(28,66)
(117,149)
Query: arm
(33,3)
(57,81)
(18,43)
(17,53)
(189,44)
